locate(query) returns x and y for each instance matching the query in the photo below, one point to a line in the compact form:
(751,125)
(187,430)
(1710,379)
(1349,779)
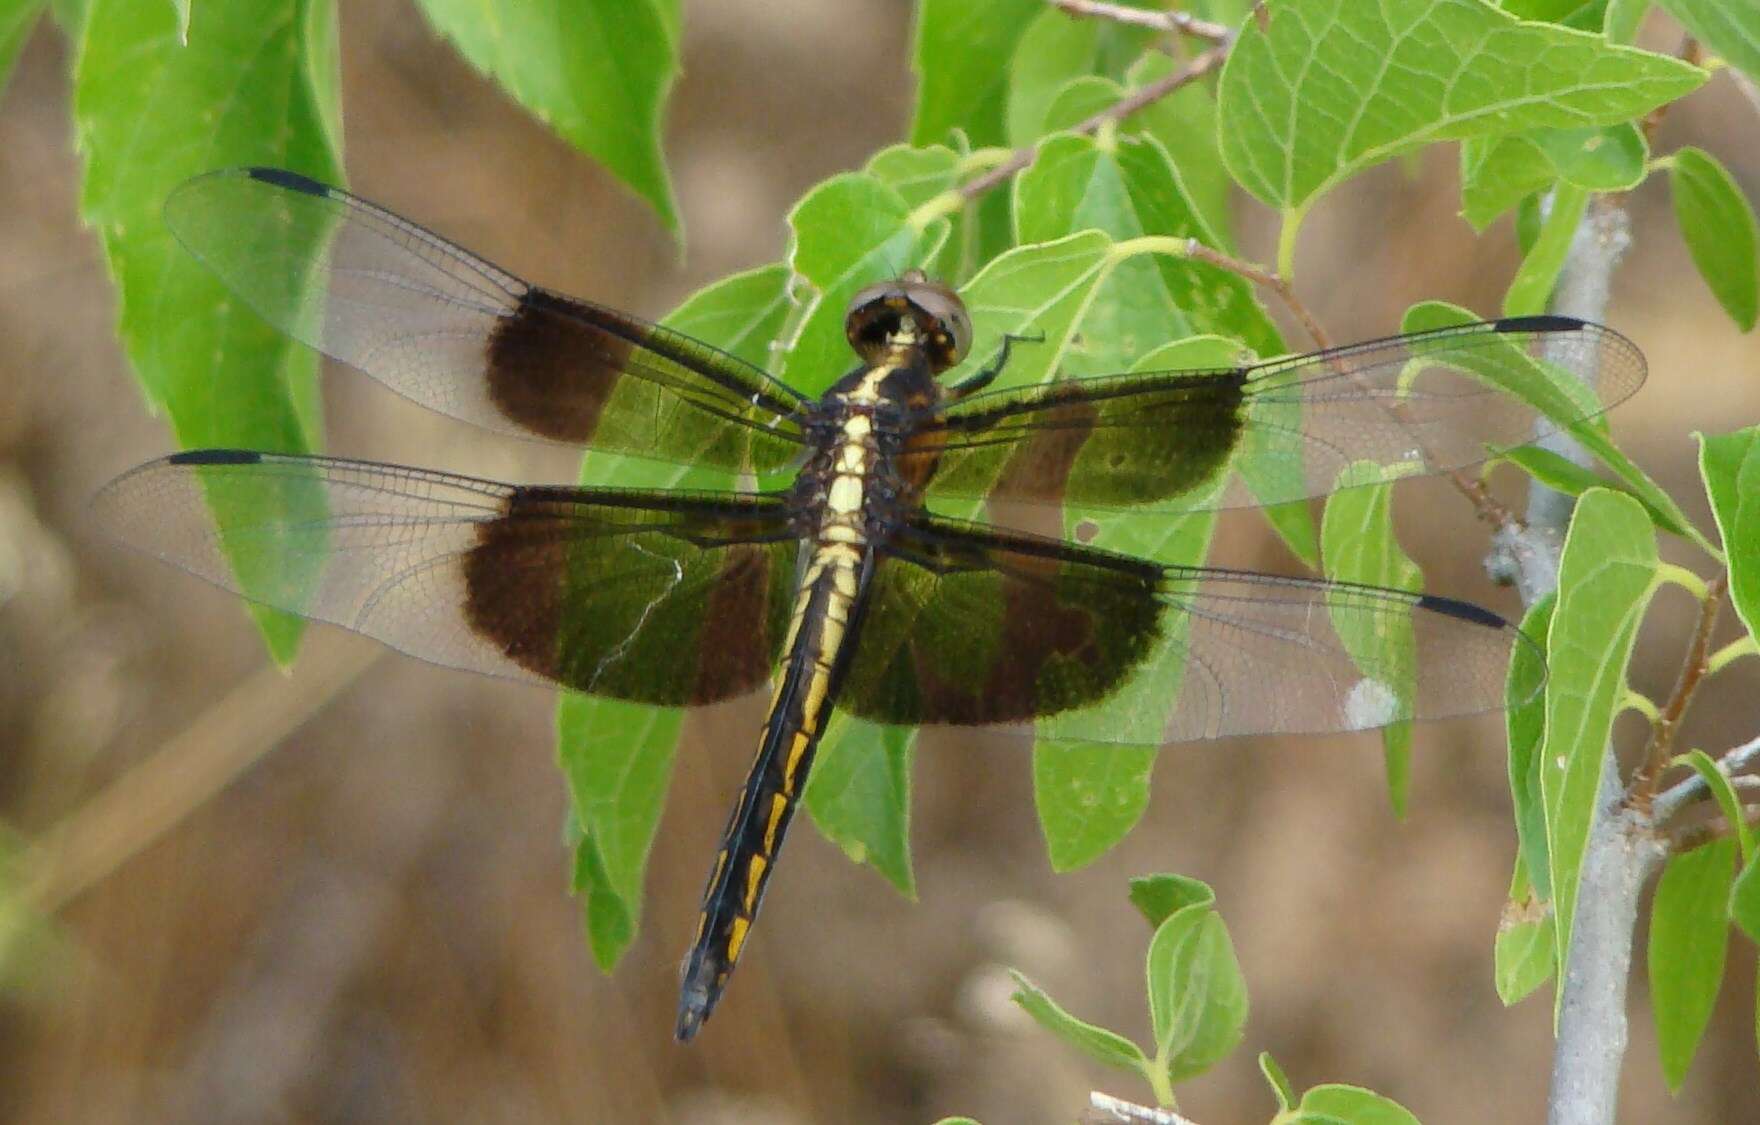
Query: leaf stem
(1729,653)
(1182,22)
(1642,704)
(1137,99)
(1684,578)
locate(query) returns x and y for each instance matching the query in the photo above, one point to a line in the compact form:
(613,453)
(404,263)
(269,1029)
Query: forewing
(460,335)
(667,598)
(968,625)
(1426,402)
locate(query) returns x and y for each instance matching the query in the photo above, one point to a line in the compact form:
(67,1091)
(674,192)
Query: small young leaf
(1097,1042)
(1605,579)
(1525,722)
(1277,1080)
(1346,1105)
(1157,897)
(1689,935)
(596,71)
(1730,29)
(1729,464)
(1532,285)
(1719,227)
(1725,795)
(1358,545)
(1197,996)
(962,55)
(1331,87)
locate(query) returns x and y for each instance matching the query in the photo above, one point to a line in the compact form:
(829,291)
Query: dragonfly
(849,590)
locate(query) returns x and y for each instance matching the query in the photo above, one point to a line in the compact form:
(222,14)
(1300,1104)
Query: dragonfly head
(906,312)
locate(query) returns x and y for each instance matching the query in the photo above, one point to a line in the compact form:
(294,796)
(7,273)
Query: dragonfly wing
(670,598)
(462,336)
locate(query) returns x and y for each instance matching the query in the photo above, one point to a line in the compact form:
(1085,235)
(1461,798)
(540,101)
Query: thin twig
(1260,275)
(1693,669)
(1137,99)
(1671,800)
(1104,1109)
(1140,17)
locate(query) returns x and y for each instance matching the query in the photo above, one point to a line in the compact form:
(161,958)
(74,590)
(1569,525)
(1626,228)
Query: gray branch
(1622,849)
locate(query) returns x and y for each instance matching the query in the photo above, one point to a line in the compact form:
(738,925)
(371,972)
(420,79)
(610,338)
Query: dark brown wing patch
(668,607)
(970,626)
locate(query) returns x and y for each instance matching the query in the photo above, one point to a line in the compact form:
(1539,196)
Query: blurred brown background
(339,896)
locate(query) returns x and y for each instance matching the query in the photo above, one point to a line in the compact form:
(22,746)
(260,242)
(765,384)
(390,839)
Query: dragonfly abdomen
(820,639)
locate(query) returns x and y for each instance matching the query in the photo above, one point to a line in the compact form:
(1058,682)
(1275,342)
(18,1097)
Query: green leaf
(1185,124)
(1346,1105)
(1689,936)
(1729,464)
(1332,87)
(1560,396)
(596,71)
(916,174)
(849,231)
(1561,474)
(1719,227)
(1744,900)
(1525,720)
(859,796)
(962,54)
(17,17)
(1605,579)
(919,175)
(150,112)
(1620,22)
(617,757)
(1097,1042)
(1730,29)
(1358,545)
(1531,288)
(1277,1080)
(1088,795)
(1497,173)
(1522,955)
(1157,897)
(1055,48)
(1197,997)
(1725,795)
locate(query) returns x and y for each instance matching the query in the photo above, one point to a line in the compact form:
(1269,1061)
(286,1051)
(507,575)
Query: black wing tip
(215,457)
(1540,322)
(292,181)
(1464,611)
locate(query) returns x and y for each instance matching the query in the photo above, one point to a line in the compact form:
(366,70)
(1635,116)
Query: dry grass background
(364,920)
